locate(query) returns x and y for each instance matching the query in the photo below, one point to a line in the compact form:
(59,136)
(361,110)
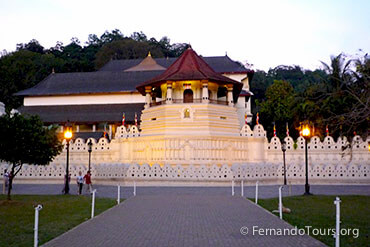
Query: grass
(59,214)
(319,212)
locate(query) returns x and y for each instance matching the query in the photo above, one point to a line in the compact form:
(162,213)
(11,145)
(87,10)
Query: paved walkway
(265,191)
(181,220)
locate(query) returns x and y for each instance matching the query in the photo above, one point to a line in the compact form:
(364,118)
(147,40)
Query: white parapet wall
(194,160)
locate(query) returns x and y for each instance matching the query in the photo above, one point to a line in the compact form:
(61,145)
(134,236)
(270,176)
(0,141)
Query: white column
(94,128)
(77,128)
(110,131)
(205,96)
(169,93)
(61,128)
(147,97)
(230,95)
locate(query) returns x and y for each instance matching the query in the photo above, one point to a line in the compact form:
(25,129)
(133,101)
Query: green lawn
(59,214)
(319,212)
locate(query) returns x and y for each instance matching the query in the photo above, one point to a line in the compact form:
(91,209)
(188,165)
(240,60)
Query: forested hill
(31,62)
(336,97)
(333,100)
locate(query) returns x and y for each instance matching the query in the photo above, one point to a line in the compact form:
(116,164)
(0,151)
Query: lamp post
(283,148)
(68,137)
(89,150)
(306,134)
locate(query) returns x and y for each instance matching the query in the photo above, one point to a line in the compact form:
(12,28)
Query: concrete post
(242,188)
(93,204)
(134,188)
(337,222)
(118,193)
(36,228)
(280,203)
(232,188)
(256,200)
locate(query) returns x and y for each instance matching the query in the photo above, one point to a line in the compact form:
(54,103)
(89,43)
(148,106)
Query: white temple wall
(121,98)
(215,160)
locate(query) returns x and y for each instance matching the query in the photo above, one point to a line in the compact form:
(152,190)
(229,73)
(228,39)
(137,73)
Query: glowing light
(306,131)
(68,134)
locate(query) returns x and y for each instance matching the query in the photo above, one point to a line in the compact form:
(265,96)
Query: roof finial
(149,55)
(225,53)
(189,46)
(52,71)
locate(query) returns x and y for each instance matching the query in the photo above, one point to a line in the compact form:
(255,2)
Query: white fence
(328,163)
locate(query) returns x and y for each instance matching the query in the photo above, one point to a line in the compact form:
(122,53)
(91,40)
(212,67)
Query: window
(188,96)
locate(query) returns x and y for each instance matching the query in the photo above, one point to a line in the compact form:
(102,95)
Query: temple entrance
(188,96)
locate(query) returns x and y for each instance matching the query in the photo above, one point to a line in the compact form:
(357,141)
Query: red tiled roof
(189,66)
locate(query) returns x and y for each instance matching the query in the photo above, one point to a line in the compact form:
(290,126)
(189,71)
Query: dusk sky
(264,33)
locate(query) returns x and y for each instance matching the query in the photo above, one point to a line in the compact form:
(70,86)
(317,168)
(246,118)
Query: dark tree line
(336,97)
(31,62)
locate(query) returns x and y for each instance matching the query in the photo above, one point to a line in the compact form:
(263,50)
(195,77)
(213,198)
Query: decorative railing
(218,102)
(180,101)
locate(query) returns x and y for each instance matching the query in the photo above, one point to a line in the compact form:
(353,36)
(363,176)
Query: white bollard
(118,193)
(134,188)
(280,203)
(256,201)
(36,229)
(337,222)
(93,204)
(242,188)
(232,188)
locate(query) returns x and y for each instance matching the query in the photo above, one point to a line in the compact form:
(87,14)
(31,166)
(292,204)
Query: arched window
(221,92)
(188,96)
(186,113)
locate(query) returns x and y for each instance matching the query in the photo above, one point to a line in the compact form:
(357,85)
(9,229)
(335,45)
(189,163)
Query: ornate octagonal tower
(190,99)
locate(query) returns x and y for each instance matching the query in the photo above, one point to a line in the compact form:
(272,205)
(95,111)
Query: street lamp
(68,137)
(306,134)
(283,148)
(89,150)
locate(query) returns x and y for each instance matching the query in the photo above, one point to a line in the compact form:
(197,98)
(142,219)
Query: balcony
(181,101)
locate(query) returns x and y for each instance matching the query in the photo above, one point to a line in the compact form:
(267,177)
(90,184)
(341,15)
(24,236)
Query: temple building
(97,102)
(192,114)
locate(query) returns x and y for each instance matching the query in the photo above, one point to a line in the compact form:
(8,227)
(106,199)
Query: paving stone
(180,220)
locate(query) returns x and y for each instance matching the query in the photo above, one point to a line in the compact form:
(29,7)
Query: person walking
(87,179)
(80,182)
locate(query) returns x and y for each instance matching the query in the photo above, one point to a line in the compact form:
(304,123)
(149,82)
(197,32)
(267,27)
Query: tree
(24,69)
(347,100)
(24,140)
(33,46)
(278,106)
(125,49)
